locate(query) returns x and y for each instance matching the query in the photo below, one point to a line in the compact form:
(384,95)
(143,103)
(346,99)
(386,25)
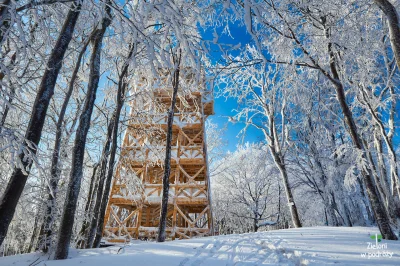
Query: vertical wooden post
(138,221)
(174,221)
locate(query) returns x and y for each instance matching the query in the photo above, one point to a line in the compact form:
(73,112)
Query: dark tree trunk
(7,108)
(382,169)
(380,214)
(167,163)
(122,84)
(381,217)
(67,220)
(378,184)
(329,211)
(379,211)
(85,225)
(394,29)
(12,93)
(391,202)
(100,185)
(347,215)
(4,19)
(255,224)
(33,134)
(55,171)
(279,204)
(34,233)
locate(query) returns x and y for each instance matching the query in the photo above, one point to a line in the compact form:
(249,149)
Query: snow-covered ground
(305,246)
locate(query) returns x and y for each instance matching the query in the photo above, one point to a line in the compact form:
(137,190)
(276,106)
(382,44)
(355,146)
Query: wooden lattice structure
(133,210)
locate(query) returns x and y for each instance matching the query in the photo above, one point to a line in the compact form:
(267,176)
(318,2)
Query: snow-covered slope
(305,246)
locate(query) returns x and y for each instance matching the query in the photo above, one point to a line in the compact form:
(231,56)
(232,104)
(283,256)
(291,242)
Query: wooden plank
(174,220)
(190,153)
(184,216)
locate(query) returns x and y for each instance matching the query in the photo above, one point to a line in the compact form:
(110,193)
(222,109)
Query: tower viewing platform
(133,211)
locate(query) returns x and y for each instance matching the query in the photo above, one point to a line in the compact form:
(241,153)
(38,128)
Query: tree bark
(275,150)
(167,163)
(33,134)
(67,220)
(122,85)
(289,196)
(46,229)
(85,225)
(394,29)
(34,233)
(255,224)
(379,211)
(382,168)
(374,173)
(387,137)
(380,214)
(393,207)
(100,186)
(329,211)
(12,93)
(4,19)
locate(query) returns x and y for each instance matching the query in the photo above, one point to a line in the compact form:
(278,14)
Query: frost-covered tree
(265,107)
(33,134)
(322,42)
(245,190)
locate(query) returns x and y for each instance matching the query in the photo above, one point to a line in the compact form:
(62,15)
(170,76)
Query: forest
(315,78)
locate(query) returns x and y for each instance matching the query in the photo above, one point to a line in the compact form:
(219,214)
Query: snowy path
(306,246)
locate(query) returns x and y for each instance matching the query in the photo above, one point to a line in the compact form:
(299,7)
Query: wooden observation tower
(133,210)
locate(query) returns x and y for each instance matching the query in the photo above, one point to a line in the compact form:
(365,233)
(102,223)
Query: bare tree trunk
(382,167)
(12,93)
(46,230)
(275,150)
(389,142)
(374,173)
(100,186)
(7,108)
(381,216)
(335,208)
(329,211)
(85,225)
(167,163)
(379,211)
(292,205)
(394,28)
(122,85)
(67,220)
(346,218)
(393,207)
(34,233)
(387,137)
(4,19)
(347,215)
(33,134)
(279,204)
(255,224)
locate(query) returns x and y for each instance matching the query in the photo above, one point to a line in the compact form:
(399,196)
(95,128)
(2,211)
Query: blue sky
(224,107)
